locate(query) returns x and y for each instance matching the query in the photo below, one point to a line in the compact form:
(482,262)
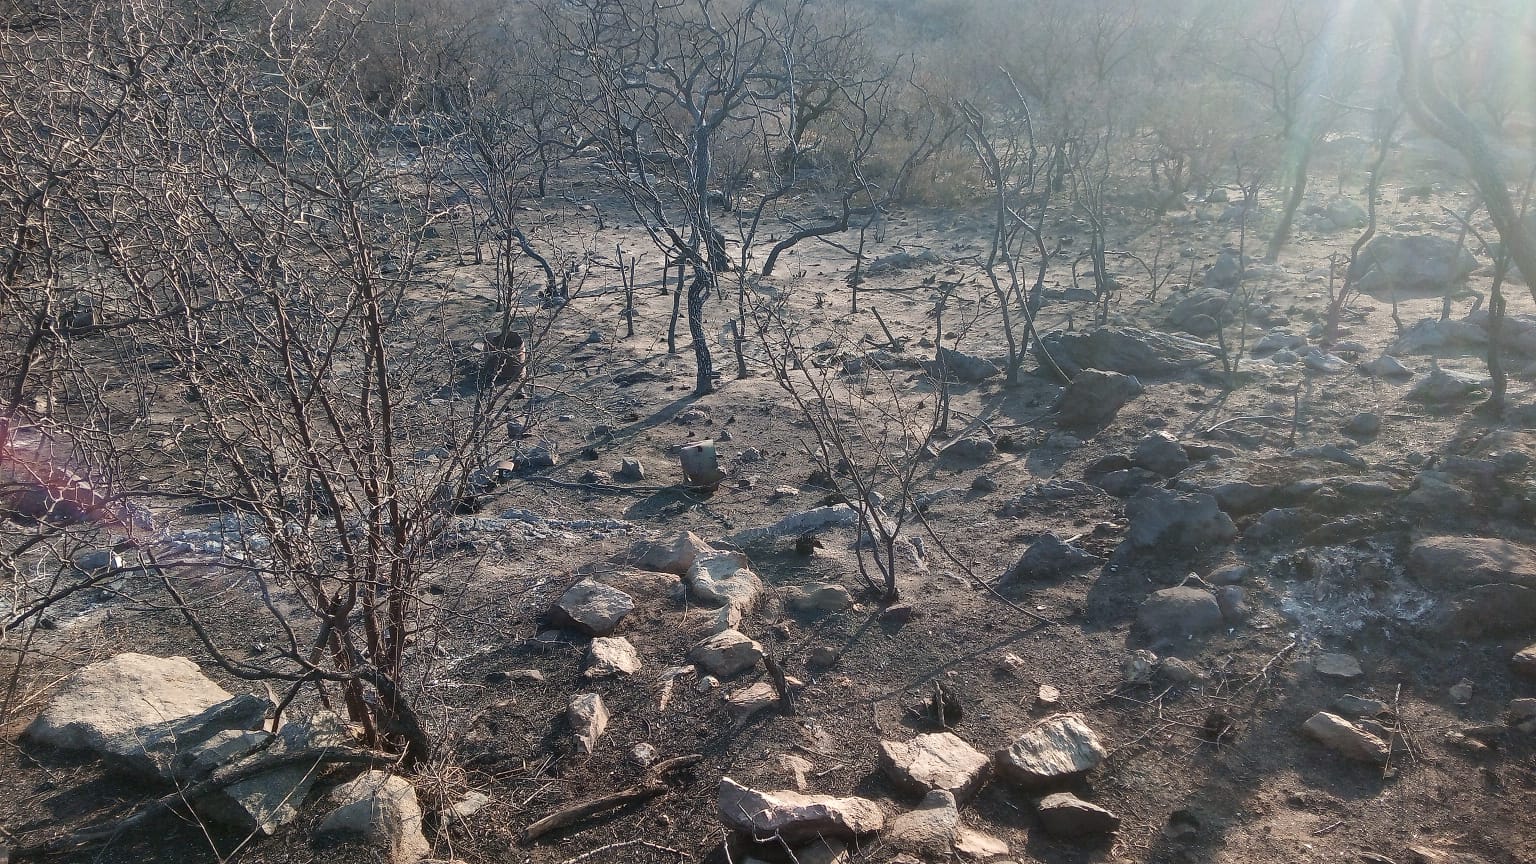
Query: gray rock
(1225,272)
(670,556)
(592,607)
(1160,453)
(973,449)
(1364,425)
(1328,364)
(1094,398)
(794,817)
(630,471)
(1207,303)
(941,760)
(153,752)
(1055,750)
(1201,325)
(1410,266)
(1386,366)
(967,368)
(1439,387)
(1465,561)
(726,653)
(1129,351)
(1050,556)
(1066,816)
(726,579)
(1175,613)
(380,810)
(1524,662)
(1345,738)
(611,655)
(96,563)
(271,799)
(746,701)
(1233,602)
(1172,521)
(120,696)
(795,524)
(1127,482)
(1343,214)
(1342,667)
(1278,340)
(818,598)
(1228,575)
(588,719)
(1176,671)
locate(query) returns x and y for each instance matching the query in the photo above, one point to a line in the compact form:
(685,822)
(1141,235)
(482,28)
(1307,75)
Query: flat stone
(817,598)
(153,752)
(1359,706)
(1054,750)
(1343,667)
(726,653)
(588,719)
(1468,561)
(1345,738)
(749,700)
(938,761)
(379,809)
(120,696)
(795,817)
(1066,816)
(611,655)
(592,607)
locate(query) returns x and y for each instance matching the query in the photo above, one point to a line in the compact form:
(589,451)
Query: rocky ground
(1170,612)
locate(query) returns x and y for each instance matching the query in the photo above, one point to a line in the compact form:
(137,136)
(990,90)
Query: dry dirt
(1262,792)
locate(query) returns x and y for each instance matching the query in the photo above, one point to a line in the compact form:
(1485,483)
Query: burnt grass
(1211,772)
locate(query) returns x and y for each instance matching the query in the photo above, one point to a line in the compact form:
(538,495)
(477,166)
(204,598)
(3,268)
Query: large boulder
(380,810)
(938,761)
(120,696)
(1420,265)
(794,817)
(1094,398)
(1465,561)
(1142,353)
(1054,751)
(592,607)
(1161,519)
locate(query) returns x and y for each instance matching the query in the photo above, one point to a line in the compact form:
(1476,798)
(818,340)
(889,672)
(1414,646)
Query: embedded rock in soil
(1465,561)
(1386,366)
(1524,662)
(930,830)
(1160,453)
(1440,386)
(1364,425)
(1493,610)
(588,718)
(938,761)
(592,607)
(749,700)
(1359,706)
(794,817)
(1174,613)
(1342,667)
(973,449)
(1053,751)
(796,524)
(1128,351)
(1049,556)
(726,653)
(1094,397)
(1167,520)
(270,799)
(611,655)
(121,695)
(967,368)
(1345,738)
(671,556)
(1067,816)
(380,810)
(818,598)
(725,578)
